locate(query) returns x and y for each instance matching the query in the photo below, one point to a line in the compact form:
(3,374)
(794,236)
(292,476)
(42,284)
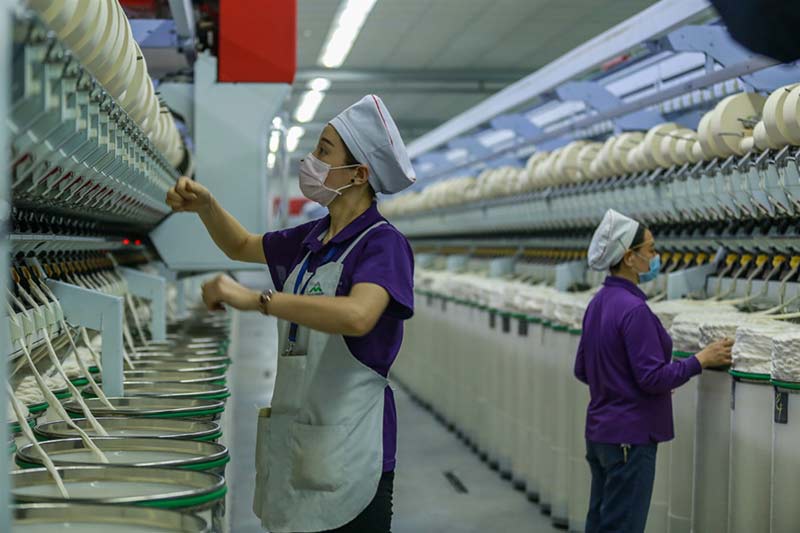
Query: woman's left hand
(225,290)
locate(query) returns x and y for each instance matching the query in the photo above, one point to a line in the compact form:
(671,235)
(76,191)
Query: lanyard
(297,290)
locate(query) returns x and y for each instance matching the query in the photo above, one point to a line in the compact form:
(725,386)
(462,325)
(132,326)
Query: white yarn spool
(124,65)
(651,144)
(566,166)
(586,155)
(626,143)
(773,118)
(100,35)
(705,139)
(727,124)
(685,146)
(791,116)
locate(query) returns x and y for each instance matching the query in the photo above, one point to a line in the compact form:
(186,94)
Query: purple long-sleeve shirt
(625,356)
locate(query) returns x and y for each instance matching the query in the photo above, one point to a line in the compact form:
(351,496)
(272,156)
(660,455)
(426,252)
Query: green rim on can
(786,384)
(681,355)
(195,466)
(750,376)
(187,502)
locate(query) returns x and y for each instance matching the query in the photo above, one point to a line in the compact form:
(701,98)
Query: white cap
(611,240)
(370,133)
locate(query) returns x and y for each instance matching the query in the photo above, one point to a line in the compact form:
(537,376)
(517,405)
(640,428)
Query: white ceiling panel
(314,19)
(472,36)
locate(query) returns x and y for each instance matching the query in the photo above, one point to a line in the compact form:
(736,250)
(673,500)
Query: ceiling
(432,59)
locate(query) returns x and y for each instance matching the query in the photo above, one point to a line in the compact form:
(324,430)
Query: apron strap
(358,239)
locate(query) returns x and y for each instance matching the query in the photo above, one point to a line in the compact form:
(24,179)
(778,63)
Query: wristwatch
(264,300)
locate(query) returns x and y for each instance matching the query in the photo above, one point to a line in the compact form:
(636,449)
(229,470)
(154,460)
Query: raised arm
(228,234)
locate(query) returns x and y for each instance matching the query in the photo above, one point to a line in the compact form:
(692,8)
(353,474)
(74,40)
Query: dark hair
(638,240)
(350,159)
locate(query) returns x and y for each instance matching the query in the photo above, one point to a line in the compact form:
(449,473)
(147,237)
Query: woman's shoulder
(387,232)
(621,300)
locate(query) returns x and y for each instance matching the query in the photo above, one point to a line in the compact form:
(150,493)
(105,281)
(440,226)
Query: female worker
(344,286)
(625,357)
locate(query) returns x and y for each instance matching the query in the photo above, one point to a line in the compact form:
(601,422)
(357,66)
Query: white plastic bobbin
(747,145)
(761,140)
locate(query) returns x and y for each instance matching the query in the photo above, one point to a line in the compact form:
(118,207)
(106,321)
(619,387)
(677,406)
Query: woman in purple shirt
(625,356)
(343,287)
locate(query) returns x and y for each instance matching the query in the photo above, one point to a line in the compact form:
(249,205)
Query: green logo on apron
(316,290)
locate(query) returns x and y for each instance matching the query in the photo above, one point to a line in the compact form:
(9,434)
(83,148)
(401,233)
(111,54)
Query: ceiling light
(271,158)
(274,141)
(277,123)
(344,31)
(309,103)
(293,137)
(319,84)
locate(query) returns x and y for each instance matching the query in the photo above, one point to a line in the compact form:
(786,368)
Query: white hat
(611,240)
(370,133)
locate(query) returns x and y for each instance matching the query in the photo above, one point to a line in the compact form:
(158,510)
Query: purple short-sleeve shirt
(625,356)
(384,258)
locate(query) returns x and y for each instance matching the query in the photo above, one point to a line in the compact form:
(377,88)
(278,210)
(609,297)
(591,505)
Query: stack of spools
(100,37)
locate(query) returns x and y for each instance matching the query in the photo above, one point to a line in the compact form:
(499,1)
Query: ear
(361,175)
(627,258)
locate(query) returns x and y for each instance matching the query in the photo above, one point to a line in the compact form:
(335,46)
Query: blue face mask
(655,268)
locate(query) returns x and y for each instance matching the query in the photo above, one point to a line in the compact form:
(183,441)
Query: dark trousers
(622,485)
(377,517)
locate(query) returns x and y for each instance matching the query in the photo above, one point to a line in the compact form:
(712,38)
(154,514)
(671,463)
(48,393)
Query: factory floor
(425,500)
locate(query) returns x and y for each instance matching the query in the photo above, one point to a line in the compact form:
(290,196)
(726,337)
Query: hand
(224,290)
(716,354)
(188,195)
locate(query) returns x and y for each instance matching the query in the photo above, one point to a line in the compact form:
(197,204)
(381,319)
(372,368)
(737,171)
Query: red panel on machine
(257,41)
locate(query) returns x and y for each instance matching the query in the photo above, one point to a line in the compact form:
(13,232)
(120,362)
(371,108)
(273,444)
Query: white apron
(319,450)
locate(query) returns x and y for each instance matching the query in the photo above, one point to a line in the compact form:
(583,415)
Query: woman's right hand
(188,195)
(716,354)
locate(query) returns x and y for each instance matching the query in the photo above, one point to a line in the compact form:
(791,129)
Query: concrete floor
(424,502)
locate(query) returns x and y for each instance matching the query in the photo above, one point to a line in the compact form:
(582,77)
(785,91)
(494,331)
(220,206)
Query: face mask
(655,268)
(313,174)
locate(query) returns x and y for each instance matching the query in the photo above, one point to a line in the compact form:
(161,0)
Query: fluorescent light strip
(344,31)
(309,103)
(319,84)
(274,142)
(293,137)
